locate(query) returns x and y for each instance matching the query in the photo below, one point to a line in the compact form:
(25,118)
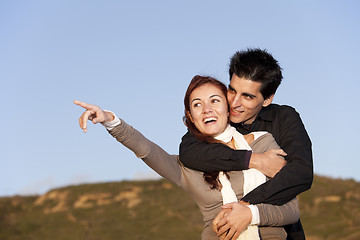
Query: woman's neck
(249,138)
(231,144)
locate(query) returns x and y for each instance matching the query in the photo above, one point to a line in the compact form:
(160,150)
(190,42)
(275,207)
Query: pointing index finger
(84,105)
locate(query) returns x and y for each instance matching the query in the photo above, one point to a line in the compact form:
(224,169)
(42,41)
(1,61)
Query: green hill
(158,210)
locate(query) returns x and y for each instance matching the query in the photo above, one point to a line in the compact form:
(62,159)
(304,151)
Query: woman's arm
(272,215)
(155,157)
(236,217)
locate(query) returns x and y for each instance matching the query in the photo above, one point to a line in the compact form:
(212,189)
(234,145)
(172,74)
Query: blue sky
(136,58)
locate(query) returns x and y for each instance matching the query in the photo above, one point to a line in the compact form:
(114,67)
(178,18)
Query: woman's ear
(268,101)
(189,115)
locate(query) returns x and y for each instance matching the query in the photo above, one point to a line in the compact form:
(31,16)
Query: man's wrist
(254,161)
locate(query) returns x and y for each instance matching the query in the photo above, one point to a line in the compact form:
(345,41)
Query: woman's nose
(207,108)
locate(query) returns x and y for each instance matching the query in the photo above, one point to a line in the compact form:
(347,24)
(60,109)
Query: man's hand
(269,163)
(232,220)
(92,113)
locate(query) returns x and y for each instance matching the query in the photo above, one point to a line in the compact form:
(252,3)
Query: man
(254,77)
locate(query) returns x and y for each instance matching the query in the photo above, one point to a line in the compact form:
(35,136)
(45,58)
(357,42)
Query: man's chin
(236,119)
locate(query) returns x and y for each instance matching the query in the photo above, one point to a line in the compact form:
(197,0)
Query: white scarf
(252,179)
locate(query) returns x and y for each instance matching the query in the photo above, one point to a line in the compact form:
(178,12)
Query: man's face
(245,100)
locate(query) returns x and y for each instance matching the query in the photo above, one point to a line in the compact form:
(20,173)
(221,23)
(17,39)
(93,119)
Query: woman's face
(209,110)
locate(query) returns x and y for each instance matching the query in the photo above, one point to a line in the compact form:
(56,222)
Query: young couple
(230,146)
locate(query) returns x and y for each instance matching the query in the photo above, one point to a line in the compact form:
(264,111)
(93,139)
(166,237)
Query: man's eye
(231,91)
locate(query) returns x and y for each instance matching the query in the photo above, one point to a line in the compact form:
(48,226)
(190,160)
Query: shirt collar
(266,114)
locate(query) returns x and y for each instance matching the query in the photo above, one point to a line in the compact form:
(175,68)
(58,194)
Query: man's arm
(206,157)
(297,175)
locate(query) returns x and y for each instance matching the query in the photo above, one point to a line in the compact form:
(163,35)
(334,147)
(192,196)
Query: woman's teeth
(210,119)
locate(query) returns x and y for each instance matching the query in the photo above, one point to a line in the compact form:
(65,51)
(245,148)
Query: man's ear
(268,101)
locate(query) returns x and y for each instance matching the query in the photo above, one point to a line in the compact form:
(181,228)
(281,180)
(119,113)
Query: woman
(207,109)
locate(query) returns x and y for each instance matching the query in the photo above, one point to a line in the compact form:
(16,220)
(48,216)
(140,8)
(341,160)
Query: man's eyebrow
(248,95)
(244,94)
(231,88)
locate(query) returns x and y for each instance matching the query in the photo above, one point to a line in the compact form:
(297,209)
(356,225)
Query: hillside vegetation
(159,210)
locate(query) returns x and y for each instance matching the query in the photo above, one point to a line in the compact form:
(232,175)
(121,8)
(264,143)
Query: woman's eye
(215,100)
(197,105)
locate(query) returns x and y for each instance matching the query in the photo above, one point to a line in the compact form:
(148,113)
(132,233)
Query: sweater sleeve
(154,156)
(271,215)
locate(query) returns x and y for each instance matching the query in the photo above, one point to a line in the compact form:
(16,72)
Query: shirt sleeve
(297,175)
(207,157)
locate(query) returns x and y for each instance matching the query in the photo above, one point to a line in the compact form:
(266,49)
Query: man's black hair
(257,65)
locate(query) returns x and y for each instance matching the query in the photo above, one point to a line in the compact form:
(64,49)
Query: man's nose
(236,101)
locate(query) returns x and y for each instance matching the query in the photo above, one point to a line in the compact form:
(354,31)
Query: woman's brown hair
(197,81)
